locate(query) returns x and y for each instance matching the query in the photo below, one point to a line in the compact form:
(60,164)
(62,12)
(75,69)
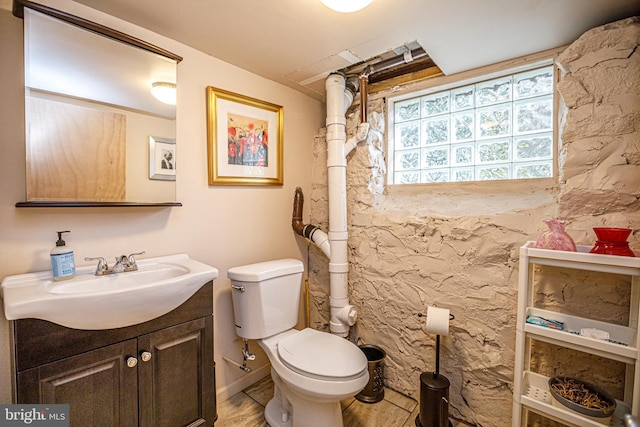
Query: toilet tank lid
(265,270)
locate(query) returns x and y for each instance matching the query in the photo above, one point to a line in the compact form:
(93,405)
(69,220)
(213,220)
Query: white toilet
(312,370)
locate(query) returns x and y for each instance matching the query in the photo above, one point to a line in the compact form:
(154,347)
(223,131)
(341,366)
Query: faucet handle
(132,261)
(102,268)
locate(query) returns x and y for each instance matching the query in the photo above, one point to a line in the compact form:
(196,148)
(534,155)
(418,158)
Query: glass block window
(489,130)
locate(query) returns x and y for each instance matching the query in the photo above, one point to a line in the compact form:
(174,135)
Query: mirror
(95,134)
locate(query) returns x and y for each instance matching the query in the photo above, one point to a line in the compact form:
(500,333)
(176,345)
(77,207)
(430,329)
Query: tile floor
(246,409)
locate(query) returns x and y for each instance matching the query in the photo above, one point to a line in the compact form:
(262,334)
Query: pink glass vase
(555,237)
(612,241)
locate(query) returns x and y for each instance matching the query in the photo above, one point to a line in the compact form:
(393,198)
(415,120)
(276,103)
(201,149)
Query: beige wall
(457,246)
(221,226)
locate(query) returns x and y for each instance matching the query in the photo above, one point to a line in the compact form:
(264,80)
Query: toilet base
(273,414)
(311,414)
(300,401)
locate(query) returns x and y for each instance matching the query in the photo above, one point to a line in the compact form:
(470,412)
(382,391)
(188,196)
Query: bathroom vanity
(121,349)
(156,373)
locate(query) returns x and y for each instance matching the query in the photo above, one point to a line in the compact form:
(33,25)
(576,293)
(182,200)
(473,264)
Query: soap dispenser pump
(62,261)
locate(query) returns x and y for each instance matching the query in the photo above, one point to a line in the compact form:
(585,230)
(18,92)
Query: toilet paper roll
(438,320)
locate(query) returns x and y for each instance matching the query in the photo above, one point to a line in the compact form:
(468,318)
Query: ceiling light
(346,6)
(164,92)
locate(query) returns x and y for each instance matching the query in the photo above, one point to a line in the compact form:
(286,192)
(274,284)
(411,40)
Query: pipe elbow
(321,240)
(296,216)
(352,84)
(297,225)
(361,135)
(310,232)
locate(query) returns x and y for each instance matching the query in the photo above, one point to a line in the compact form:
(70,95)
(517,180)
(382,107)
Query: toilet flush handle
(238,288)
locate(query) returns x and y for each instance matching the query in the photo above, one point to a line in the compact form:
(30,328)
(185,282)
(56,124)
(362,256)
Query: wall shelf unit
(94,204)
(531,390)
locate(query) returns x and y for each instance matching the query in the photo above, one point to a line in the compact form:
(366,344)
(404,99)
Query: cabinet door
(176,380)
(99,387)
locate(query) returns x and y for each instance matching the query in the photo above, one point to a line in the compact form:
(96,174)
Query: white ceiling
(298,42)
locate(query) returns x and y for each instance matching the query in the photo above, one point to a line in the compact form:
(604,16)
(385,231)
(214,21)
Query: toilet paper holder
(420,314)
(434,388)
(446,332)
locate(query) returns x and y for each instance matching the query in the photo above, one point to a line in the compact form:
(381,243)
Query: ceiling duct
(403,60)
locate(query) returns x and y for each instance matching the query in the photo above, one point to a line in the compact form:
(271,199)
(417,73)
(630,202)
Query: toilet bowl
(312,371)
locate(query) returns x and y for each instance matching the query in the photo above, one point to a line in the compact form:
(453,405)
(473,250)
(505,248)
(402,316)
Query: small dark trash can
(374,390)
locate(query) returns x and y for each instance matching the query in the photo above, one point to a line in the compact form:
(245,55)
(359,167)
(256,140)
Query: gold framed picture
(244,139)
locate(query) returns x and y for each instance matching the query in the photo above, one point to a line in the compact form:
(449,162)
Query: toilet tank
(266,297)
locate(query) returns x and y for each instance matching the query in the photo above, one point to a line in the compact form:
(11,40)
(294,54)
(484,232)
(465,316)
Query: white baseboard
(231,389)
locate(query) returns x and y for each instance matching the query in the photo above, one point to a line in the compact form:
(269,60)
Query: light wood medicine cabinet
(95,134)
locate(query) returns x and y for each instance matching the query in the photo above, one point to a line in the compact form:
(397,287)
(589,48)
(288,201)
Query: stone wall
(456,246)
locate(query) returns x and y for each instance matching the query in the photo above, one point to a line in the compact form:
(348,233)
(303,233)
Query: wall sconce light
(346,6)
(164,92)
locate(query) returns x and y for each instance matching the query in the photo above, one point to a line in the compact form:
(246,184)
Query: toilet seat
(322,356)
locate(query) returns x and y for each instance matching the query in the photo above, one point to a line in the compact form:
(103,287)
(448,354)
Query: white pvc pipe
(343,315)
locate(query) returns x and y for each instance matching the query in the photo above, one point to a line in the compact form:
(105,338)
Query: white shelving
(537,397)
(531,390)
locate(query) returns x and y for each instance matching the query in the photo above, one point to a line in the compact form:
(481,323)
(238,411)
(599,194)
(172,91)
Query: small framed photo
(162,158)
(244,139)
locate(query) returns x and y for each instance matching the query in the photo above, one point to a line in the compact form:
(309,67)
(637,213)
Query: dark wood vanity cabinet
(97,385)
(155,374)
(170,390)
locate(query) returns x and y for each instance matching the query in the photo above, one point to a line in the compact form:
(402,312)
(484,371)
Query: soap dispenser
(62,262)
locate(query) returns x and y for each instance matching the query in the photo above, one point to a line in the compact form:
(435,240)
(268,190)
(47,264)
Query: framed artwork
(244,139)
(162,158)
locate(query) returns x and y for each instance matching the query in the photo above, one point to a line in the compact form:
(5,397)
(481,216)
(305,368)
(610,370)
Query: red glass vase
(612,241)
(555,237)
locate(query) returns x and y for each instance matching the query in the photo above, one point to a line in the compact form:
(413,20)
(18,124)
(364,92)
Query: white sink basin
(103,302)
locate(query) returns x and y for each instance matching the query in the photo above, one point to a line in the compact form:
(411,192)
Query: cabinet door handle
(145,356)
(132,362)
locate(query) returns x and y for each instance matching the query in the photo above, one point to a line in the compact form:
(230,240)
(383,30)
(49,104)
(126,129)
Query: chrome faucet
(123,264)
(126,263)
